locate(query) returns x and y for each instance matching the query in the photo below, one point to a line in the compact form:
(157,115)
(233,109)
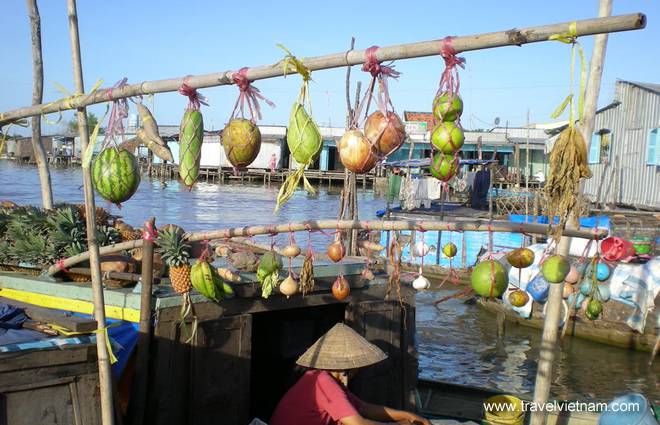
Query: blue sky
(146,40)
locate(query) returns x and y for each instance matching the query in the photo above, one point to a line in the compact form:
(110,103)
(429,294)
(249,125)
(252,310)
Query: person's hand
(417,420)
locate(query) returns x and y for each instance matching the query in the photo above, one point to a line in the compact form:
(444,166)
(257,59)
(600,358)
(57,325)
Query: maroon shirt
(316,399)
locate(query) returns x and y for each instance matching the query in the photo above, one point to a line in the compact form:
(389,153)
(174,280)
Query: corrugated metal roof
(655,88)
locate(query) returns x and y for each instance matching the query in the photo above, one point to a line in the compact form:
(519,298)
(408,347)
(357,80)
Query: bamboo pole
(105,372)
(512,37)
(37,97)
(315,225)
(139,398)
(548,348)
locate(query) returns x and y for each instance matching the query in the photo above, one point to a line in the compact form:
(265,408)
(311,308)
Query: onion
(340,289)
(356,153)
(387,134)
(421,283)
(336,251)
(291,251)
(289,286)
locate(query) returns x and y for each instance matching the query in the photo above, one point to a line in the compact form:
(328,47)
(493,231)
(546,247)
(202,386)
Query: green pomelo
(555,269)
(191,135)
(241,140)
(489,279)
(447,107)
(116,174)
(303,136)
(443,167)
(447,137)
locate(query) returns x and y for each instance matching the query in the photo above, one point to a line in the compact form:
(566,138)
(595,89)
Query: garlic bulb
(421,283)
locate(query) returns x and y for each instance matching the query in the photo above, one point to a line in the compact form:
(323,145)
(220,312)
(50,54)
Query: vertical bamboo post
(105,372)
(139,396)
(37,97)
(547,352)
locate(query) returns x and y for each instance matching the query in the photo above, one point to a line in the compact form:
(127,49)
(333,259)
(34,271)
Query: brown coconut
(356,153)
(387,134)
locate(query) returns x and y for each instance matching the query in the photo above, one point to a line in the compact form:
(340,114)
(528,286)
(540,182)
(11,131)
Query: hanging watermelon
(116,174)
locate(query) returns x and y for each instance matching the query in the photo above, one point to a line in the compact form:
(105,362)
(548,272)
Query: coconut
(489,279)
(555,269)
(356,153)
(241,140)
(447,137)
(447,107)
(518,298)
(387,134)
(443,167)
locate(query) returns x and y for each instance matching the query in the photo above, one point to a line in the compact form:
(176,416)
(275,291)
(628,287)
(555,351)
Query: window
(601,147)
(653,148)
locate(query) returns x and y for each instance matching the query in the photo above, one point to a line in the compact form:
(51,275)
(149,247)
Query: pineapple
(102,216)
(127,232)
(176,254)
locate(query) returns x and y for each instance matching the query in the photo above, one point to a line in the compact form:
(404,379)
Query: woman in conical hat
(320,397)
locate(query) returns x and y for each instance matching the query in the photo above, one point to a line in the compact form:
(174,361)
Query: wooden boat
(610,328)
(446,401)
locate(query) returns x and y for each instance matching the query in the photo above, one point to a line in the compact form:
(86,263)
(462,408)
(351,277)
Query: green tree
(71,126)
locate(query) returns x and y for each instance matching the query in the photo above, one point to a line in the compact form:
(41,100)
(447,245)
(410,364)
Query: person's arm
(360,420)
(382,413)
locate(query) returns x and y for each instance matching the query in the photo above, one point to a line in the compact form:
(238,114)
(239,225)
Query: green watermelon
(443,167)
(447,137)
(116,174)
(447,108)
(191,134)
(241,140)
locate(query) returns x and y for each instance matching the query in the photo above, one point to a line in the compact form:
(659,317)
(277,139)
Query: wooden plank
(11,362)
(44,315)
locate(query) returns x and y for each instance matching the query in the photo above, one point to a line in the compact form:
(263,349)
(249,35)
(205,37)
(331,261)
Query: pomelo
(447,137)
(447,107)
(489,279)
(555,269)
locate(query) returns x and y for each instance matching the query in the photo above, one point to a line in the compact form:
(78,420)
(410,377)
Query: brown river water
(457,342)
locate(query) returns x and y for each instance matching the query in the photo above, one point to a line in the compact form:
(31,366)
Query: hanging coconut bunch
(191,136)
(384,131)
(447,136)
(303,136)
(241,138)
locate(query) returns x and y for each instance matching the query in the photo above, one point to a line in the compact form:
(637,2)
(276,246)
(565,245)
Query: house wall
(627,178)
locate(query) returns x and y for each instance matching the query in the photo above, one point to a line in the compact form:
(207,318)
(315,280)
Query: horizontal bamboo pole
(314,225)
(512,37)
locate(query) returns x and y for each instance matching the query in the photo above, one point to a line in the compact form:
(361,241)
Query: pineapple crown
(173,248)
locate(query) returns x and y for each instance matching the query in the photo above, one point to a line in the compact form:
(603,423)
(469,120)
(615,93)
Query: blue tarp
(602,222)
(11,326)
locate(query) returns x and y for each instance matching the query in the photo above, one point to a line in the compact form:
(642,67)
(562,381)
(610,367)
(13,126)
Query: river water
(457,342)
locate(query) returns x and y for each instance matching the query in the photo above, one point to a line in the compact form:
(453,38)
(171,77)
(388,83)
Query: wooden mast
(512,37)
(37,97)
(105,371)
(548,350)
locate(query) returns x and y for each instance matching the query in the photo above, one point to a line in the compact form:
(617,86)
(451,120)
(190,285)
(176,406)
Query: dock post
(105,371)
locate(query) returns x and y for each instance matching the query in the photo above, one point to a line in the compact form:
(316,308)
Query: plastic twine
(195,98)
(379,72)
(450,81)
(249,95)
(571,38)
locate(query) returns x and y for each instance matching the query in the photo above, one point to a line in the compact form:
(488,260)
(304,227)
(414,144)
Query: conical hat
(341,348)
